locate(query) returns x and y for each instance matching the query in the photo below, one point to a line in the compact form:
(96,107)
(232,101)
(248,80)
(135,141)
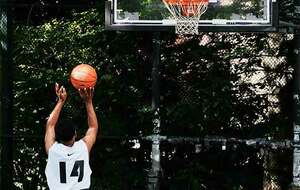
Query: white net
(186,27)
(187,14)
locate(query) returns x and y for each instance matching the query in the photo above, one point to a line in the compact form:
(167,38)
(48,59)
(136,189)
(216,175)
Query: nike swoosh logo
(70,154)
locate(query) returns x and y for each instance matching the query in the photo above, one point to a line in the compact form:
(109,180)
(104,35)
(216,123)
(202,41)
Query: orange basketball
(83,76)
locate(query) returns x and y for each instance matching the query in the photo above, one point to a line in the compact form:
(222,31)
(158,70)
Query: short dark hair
(65,130)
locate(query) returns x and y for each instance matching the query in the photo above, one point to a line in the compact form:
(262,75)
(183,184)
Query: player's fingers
(90,91)
(64,90)
(86,92)
(56,87)
(80,92)
(61,90)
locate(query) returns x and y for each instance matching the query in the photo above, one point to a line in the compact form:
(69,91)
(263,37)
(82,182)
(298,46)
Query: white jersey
(68,168)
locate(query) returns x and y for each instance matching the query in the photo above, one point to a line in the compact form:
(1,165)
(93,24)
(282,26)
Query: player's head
(65,130)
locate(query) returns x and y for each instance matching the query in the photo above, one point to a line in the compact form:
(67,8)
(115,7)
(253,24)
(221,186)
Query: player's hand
(86,94)
(61,93)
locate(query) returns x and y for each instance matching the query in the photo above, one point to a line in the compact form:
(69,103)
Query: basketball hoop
(187,14)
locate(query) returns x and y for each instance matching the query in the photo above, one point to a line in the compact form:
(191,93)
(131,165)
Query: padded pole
(6,61)
(296,97)
(154,172)
(156,82)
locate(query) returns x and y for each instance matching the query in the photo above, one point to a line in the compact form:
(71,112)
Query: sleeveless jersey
(68,168)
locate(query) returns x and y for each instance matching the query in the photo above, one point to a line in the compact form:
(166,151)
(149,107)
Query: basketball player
(68,160)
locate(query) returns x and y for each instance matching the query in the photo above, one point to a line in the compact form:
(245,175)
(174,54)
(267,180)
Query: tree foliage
(229,84)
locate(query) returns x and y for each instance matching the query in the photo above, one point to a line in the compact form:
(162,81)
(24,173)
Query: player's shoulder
(80,143)
(83,144)
(53,146)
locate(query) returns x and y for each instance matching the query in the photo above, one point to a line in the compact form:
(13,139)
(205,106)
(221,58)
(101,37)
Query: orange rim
(189,7)
(186,2)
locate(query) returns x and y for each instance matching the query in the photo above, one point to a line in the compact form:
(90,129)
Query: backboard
(221,15)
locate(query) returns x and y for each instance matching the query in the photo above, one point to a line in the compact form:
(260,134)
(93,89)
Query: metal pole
(153,175)
(6,61)
(296,153)
(156,82)
(296,141)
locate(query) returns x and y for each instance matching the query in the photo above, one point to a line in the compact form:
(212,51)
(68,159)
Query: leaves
(229,84)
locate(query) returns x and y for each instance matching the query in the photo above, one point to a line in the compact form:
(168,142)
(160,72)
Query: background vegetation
(215,84)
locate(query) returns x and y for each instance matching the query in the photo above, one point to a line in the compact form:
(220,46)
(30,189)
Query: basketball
(83,76)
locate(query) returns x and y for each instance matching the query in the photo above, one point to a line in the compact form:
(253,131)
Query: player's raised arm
(52,120)
(91,134)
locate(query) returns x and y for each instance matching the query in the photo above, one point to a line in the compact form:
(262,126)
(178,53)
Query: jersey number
(78,165)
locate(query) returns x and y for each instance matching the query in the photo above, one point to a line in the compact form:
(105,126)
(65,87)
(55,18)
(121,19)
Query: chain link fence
(226,102)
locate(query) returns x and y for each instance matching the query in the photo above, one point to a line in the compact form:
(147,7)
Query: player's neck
(69,143)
